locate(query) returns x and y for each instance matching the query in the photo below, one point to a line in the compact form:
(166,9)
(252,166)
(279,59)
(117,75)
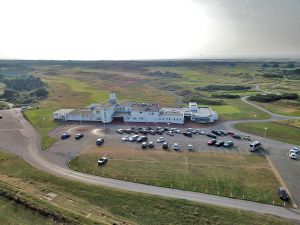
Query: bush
(203,100)
(270,75)
(220,87)
(230,96)
(273,97)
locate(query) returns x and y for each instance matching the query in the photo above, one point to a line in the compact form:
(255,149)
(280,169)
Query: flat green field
(281,107)
(238,175)
(98,205)
(238,110)
(12,213)
(274,131)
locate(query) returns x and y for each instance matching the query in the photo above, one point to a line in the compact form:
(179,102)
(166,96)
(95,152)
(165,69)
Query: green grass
(224,174)
(12,213)
(238,110)
(274,131)
(287,108)
(111,205)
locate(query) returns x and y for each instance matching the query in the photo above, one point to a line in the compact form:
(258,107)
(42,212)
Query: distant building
(127,111)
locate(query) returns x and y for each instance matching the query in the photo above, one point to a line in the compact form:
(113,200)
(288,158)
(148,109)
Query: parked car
(247,137)
(228,144)
(219,143)
(65,136)
(230,133)
(293,155)
(99,141)
(187,134)
(189,129)
(216,132)
(254,146)
(283,194)
(190,147)
(152,132)
(211,135)
(150,144)
(224,132)
(294,150)
(160,139)
(170,133)
(144,144)
(178,131)
(211,142)
(133,138)
(159,132)
(194,131)
(120,131)
(102,161)
(128,131)
(141,139)
(165,145)
(125,138)
(175,147)
(236,136)
(78,136)
(202,132)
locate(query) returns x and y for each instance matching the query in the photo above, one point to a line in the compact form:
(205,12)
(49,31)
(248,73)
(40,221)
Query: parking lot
(69,148)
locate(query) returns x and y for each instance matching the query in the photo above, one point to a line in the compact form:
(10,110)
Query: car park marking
(281,181)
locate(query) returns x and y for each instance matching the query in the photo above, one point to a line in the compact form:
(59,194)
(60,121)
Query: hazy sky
(148,29)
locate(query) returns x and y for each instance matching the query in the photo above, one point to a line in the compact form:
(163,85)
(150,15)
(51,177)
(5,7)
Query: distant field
(214,173)
(11,213)
(274,131)
(91,204)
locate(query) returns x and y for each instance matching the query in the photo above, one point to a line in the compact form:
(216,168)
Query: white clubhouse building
(127,111)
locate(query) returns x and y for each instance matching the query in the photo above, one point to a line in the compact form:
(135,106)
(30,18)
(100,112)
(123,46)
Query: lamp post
(265,132)
(253,123)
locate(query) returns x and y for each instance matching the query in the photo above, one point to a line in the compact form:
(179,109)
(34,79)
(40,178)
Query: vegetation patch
(221,87)
(111,206)
(24,90)
(273,97)
(238,175)
(230,96)
(166,74)
(274,131)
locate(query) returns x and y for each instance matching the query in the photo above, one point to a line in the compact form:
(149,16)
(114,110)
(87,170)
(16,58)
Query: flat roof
(144,107)
(63,111)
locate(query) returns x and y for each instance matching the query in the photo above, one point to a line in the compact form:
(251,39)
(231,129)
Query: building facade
(136,112)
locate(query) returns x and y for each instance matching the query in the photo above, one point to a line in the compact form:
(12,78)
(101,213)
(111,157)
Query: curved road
(33,155)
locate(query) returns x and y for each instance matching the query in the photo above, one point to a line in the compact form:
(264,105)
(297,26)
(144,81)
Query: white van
(254,146)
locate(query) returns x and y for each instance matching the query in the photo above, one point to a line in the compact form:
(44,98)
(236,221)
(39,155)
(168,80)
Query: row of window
(161,119)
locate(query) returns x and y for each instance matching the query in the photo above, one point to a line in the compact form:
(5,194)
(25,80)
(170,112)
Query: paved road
(33,155)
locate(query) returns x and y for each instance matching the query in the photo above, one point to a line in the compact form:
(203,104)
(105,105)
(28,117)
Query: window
(141,118)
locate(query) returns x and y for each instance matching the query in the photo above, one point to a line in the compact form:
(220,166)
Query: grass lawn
(106,205)
(281,108)
(238,175)
(293,123)
(12,213)
(275,131)
(238,110)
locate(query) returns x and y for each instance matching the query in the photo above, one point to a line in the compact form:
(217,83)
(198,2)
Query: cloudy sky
(148,29)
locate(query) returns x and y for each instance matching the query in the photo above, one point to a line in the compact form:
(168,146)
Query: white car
(170,133)
(295,150)
(175,146)
(177,131)
(293,155)
(160,139)
(125,138)
(190,147)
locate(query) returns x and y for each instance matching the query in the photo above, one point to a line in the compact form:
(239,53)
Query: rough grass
(274,131)
(215,173)
(12,213)
(113,206)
